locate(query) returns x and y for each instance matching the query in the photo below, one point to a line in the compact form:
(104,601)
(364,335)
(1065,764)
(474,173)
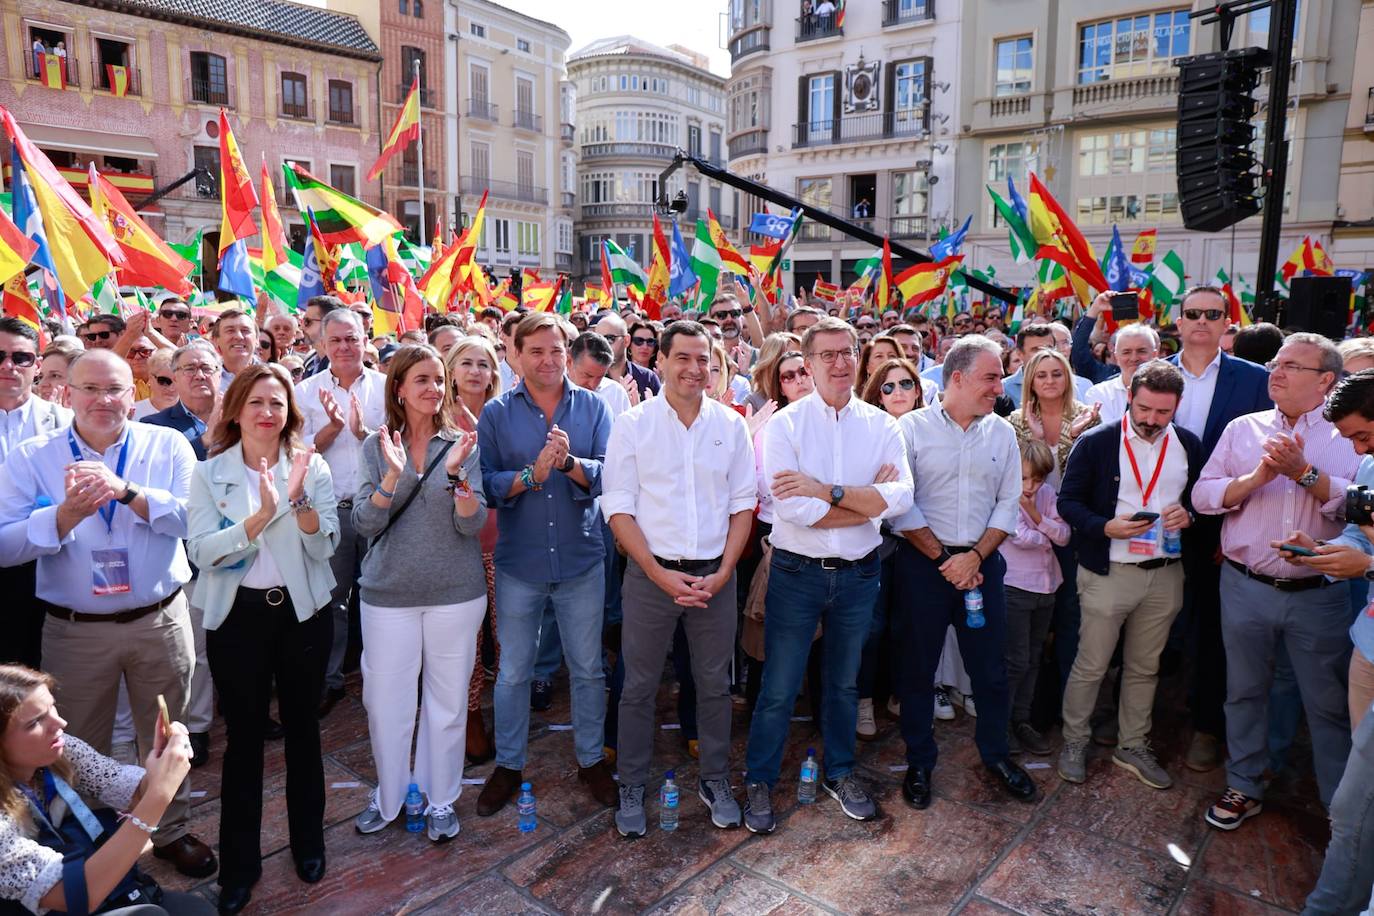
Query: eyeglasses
(93,336)
(201,370)
(905,384)
(1198,314)
(174,315)
(164,380)
(792,375)
(96,391)
(643,341)
(866,325)
(727,313)
(1274,365)
(828,357)
(140,353)
(20,358)
(612,338)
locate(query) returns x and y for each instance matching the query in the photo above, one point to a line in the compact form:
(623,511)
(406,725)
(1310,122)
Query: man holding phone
(1126,494)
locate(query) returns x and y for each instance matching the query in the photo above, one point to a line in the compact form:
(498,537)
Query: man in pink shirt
(1272,473)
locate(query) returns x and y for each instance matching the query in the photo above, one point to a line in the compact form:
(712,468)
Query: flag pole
(420,157)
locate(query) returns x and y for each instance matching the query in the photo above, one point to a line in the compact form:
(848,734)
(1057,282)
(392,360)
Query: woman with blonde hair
(1049,411)
(763,380)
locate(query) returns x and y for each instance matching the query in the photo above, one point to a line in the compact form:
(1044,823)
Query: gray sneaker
(720,798)
(1141,761)
(854,801)
(1073,761)
(371,820)
(630,820)
(758,808)
(441,823)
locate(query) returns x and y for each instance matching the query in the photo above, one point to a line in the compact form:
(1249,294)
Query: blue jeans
(1348,872)
(800,595)
(578,605)
(550,651)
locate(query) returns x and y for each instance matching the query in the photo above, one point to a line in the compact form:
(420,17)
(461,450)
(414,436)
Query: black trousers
(24,613)
(1202,607)
(256,644)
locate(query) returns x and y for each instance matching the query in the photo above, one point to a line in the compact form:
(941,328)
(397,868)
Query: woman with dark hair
(48,855)
(262,526)
(643,347)
(876,353)
(420,617)
(267,347)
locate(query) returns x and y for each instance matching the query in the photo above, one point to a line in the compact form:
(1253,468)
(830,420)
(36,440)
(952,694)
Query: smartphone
(162,714)
(1126,307)
(1144,516)
(1299,550)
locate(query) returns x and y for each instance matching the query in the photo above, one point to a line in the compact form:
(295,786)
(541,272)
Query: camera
(1359,505)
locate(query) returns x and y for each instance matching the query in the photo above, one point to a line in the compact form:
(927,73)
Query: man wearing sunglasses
(23,415)
(173,321)
(613,328)
(1218,388)
(101,332)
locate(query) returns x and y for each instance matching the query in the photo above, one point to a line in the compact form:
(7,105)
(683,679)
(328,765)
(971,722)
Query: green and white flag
(624,270)
(1167,280)
(706,262)
(105,295)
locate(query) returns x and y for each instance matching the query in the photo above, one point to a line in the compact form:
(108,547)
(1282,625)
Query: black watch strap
(130,494)
(568,465)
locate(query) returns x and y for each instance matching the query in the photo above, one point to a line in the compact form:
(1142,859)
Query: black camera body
(1359,505)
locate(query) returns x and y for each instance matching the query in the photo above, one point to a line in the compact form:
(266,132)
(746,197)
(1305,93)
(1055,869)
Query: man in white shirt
(342,406)
(967,471)
(836,466)
(679,492)
(235,336)
(1133,346)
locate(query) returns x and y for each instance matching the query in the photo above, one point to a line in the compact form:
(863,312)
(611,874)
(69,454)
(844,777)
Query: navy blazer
(177,417)
(646,379)
(1081,356)
(1242,387)
(1092,481)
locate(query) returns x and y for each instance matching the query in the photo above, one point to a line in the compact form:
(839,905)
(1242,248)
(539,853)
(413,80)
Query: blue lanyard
(107,512)
(53,787)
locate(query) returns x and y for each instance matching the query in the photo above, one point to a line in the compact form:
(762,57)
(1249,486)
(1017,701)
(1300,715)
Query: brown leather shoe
(190,856)
(500,788)
(597,778)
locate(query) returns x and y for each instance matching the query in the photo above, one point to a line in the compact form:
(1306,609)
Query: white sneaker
(944,709)
(969,707)
(866,728)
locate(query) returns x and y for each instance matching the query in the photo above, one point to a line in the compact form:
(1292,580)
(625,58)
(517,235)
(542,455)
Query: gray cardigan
(431,555)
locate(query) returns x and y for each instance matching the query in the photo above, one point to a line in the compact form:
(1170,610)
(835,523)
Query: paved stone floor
(1109,846)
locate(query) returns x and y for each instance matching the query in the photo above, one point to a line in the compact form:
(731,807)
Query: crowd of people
(891,512)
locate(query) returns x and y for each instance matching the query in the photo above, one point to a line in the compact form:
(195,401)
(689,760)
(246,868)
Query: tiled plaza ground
(1109,846)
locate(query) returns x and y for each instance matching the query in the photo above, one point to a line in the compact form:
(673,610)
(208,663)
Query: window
(294,102)
(477,29)
(715,146)
(910,195)
(524,170)
(524,103)
(908,96)
(501,231)
(527,239)
(405,8)
(1006,159)
(51,41)
(713,198)
(1132,46)
(419,8)
(1014,61)
(410,57)
(815,192)
(343,177)
(1126,152)
(1127,175)
(209,79)
(694,139)
(820,104)
(479,158)
(564,236)
(341,101)
(112,53)
(206,159)
(522,44)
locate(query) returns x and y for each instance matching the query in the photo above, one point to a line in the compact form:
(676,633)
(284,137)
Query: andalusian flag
(274,245)
(706,263)
(924,282)
(191,252)
(341,219)
(53,72)
(1023,245)
(839,14)
(237,197)
(15,249)
(149,261)
(118,79)
(404,132)
(730,257)
(1166,284)
(624,270)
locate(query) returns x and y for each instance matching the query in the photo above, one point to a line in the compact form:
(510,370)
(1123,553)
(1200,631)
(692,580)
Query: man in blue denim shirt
(542,445)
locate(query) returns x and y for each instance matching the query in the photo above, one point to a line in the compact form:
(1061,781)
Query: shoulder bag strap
(438,459)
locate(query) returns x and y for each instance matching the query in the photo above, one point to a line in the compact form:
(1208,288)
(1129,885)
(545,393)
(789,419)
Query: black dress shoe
(1015,780)
(273,731)
(310,869)
(916,787)
(541,695)
(234,898)
(332,696)
(200,749)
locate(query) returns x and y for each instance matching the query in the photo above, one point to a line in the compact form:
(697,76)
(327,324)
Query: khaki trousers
(155,654)
(1361,687)
(1142,601)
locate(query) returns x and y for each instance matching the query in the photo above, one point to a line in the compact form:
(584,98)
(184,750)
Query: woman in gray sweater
(422,590)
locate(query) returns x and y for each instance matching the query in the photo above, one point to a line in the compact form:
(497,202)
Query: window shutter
(927,87)
(803,98)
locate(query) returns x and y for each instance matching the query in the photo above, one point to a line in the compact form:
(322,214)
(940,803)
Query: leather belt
(344,503)
(687,566)
(1283,585)
(1156,563)
(62,613)
(827,563)
(273,597)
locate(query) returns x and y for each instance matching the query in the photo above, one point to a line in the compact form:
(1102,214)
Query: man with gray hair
(967,471)
(342,405)
(1133,346)
(196,378)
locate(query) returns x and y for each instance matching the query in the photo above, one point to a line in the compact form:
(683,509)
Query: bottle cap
(668,775)
(811,752)
(524,787)
(413,788)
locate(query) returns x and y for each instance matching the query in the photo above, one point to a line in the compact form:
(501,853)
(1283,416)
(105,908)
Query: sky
(694,24)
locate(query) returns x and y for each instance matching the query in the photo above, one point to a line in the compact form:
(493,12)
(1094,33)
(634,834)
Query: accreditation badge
(110,571)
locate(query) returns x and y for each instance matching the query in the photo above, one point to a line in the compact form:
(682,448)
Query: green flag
(191,251)
(565,299)
(1023,246)
(706,263)
(624,270)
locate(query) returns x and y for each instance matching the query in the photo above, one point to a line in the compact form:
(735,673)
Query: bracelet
(304,504)
(527,478)
(384,492)
(137,822)
(981,558)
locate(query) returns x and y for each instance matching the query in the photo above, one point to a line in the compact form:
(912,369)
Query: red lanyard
(1135,469)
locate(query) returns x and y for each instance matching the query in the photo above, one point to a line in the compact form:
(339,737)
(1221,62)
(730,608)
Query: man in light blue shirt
(101,506)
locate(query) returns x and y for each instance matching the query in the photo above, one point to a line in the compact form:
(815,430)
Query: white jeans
(399,645)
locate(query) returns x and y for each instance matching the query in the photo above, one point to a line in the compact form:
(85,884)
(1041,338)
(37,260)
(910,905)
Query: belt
(62,613)
(1156,563)
(687,565)
(344,503)
(275,596)
(1283,585)
(827,563)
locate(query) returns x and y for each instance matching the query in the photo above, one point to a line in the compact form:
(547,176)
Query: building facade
(1353,244)
(854,117)
(303,90)
(637,104)
(509,133)
(1085,93)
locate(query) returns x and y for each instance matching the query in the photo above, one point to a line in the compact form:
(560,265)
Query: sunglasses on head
(643,341)
(20,358)
(905,384)
(1209,314)
(163,380)
(174,315)
(93,336)
(791,375)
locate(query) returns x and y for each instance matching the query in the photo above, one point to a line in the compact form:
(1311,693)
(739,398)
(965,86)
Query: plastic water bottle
(1171,545)
(810,774)
(973,607)
(415,809)
(526,805)
(667,803)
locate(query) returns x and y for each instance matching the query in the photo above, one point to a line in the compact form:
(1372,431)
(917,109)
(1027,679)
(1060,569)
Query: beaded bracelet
(527,478)
(137,822)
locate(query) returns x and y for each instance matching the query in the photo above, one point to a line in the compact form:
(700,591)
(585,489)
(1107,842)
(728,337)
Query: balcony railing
(484,110)
(300,111)
(528,120)
(750,144)
(907,227)
(410,177)
(568,200)
(505,190)
(1160,89)
(813,232)
(73,70)
(209,92)
(905,12)
(602,211)
(426,95)
(812,27)
(876,126)
(341,116)
(1009,106)
(567,132)
(749,43)
(100,79)
(641,150)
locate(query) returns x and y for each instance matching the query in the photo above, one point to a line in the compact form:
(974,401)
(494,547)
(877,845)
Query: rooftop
(630,45)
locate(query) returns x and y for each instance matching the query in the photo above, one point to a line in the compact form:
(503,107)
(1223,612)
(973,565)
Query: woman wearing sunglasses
(162,391)
(267,347)
(643,344)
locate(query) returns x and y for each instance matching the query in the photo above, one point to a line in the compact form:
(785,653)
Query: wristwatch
(836,494)
(130,494)
(1309,477)
(568,465)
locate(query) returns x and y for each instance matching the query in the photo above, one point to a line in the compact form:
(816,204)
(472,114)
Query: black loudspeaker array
(1318,304)
(1218,171)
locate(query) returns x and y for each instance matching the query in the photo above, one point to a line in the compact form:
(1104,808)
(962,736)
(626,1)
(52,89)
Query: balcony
(342,116)
(751,143)
(72,71)
(426,95)
(814,28)
(567,132)
(484,110)
(298,111)
(618,210)
(1009,106)
(563,262)
(528,120)
(879,125)
(631,150)
(100,79)
(476,185)
(813,232)
(907,12)
(209,92)
(567,199)
(1127,96)
(750,42)
(410,177)
(908,227)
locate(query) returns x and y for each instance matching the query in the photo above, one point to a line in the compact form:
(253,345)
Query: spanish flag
(237,197)
(15,302)
(118,78)
(882,296)
(1060,239)
(926,281)
(273,235)
(656,289)
(53,72)
(404,132)
(15,248)
(1143,251)
(539,296)
(148,260)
